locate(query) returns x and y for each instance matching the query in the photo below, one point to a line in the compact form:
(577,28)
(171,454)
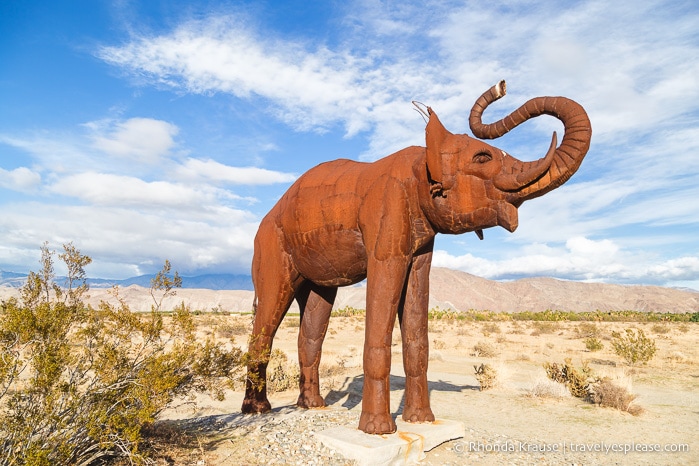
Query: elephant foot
(376,423)
(418,414)
(253,406)
(310,400)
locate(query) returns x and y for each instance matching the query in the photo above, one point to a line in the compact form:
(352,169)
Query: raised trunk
(566,158)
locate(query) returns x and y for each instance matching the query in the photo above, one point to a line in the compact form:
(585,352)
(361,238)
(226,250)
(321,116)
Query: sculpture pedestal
(406,446)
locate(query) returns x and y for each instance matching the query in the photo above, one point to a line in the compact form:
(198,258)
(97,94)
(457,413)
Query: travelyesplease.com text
(575,447)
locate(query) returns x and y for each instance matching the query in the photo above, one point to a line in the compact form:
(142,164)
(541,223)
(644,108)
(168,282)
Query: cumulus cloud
(130,241)
(109,189)
(19,179)
(218,172)
(143,139)
(580,258)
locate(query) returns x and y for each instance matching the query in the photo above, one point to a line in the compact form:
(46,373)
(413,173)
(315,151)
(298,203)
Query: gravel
(285,437)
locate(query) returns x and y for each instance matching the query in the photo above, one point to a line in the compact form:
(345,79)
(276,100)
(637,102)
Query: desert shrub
(694,317)
(79,385)
(291,321)
(438,344)
(544,327)
(583,383)
(490,327)
(593,344)
(484,349)
(578,380)
(607,393)
(232,329)
(587,330)
(281,374)
(486,376)
(442,314)
(347,311)
(546,388)
(633,346)
(660,329)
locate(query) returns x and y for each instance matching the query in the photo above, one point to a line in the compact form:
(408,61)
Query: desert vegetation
(80,385)
(104,385)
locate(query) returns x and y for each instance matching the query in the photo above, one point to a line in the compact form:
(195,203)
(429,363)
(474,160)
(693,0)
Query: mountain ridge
(448,289)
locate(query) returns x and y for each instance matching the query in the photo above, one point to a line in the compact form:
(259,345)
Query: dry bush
(544,327)
(660,329)
(281,374)
(484,350)
(516,328)
(677,357)
(232,329)
(577,380)
(438,344)
(608,394)
(486,375)
(635,347)
(547,388)
(292,321)
(587,330)
(490,327)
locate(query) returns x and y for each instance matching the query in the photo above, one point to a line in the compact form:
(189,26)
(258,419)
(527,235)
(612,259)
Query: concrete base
(406,446)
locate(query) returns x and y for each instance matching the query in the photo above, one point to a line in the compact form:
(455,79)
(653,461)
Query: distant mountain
(448,289)
(208,281)
(12,279)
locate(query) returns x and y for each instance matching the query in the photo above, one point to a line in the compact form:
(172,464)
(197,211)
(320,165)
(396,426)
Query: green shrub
(635,347)
(79,385)
(593,344)
(348,311)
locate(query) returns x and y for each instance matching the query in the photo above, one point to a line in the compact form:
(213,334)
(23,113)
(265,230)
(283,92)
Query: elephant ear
(435,136)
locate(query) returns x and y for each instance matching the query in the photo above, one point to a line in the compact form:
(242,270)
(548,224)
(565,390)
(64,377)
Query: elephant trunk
(528,180)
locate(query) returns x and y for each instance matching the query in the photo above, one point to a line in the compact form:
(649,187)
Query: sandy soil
(509,416)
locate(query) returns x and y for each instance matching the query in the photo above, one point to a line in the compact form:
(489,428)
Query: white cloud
(218,239)
(216,171)
(19,179)
(108,189)
(580,258)
(218,55)
(143,139)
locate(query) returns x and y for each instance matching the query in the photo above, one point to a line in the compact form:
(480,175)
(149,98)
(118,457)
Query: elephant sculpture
(344,221)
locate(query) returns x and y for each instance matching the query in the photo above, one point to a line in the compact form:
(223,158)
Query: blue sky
(145,131)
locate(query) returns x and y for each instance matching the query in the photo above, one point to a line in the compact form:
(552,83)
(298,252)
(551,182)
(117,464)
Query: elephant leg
(316,303)
(386,280)
(413,324)
(275,287)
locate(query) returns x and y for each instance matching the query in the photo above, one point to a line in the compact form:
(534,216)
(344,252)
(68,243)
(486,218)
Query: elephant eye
(482,157)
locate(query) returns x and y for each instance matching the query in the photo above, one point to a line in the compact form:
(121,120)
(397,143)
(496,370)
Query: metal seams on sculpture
(344,221)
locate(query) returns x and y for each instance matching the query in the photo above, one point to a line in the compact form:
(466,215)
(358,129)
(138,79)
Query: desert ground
(524,411)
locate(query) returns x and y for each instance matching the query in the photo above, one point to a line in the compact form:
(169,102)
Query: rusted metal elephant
(344,221)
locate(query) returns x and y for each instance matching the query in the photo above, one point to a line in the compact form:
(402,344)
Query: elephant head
(474,185)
